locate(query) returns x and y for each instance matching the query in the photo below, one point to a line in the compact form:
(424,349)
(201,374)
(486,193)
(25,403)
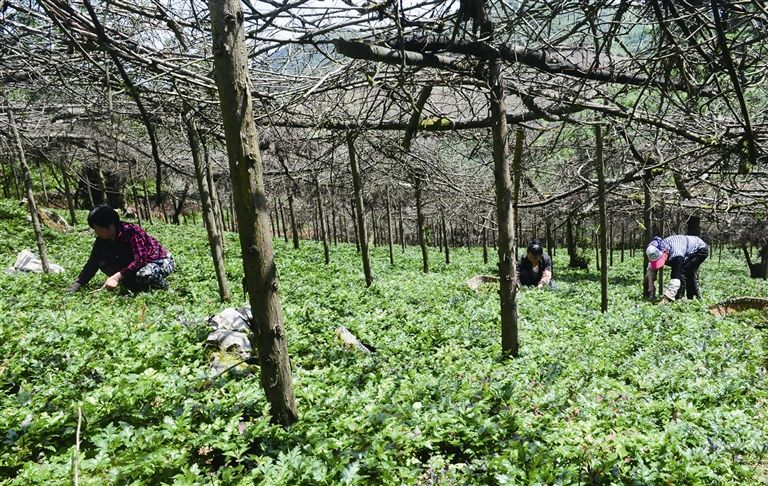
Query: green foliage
(640,395)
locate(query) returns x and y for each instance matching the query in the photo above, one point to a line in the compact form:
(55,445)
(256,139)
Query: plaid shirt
(132,249)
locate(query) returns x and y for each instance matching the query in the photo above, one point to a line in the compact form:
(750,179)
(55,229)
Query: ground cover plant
(640,395)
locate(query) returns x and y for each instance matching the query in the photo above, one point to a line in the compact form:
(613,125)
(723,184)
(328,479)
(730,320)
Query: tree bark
(389,231)
(648,223)
(359,210)
(444,230)
(234,87)
(133,190)
(68,190)
(282,219)
(326,251)
(31,205)
(402,229)
(212,228)
(100,177)
(505,209)
(292,214)
(146,202)
(570,242)
(215,201)
(354,225)
(420,224)
(603,222)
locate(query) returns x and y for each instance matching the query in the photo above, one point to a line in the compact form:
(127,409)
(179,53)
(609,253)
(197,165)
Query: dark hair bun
(102,216)
(535,248)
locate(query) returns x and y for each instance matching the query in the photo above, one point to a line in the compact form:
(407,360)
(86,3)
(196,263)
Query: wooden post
(234,86)
(357,183)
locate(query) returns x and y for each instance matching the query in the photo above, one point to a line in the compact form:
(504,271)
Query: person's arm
(675,279)
(650,275)
(546,274)
(89,269)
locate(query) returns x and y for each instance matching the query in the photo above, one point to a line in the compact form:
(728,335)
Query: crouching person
(684,254)
(535,268)
(125,253)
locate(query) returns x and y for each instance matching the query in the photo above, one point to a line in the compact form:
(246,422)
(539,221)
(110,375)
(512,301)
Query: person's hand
(112,282)
(664,300)
(73,288)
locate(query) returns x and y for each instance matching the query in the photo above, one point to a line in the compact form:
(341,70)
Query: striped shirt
(682,245)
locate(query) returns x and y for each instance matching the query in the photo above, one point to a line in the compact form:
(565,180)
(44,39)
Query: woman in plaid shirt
(126,253)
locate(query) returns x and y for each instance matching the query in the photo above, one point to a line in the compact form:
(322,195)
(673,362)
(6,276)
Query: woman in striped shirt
(683,254)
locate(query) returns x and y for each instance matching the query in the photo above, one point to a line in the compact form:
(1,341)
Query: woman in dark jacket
(126,253)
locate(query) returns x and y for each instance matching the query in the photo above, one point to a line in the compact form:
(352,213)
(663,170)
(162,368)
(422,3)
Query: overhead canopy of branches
(679,85)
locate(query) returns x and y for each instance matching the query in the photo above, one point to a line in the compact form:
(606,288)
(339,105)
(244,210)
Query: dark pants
(690,284)
(150,276)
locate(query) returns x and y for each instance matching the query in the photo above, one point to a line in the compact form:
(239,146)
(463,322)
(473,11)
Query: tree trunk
(180,206)
(548,235)
(505,209)
(647,221)
(326,251)
(485,243)
(389,231)
(610,241)
(218,211)
(334,228)
(68,190)
(420,224)
(354,225)
(214,237)
(447,251)
(603,222)
(133,190)
(46,199)
(292,214)
(100,177)
(402,229)
(622,242)
(31,205)
(570,242)
(146,202)
(693,226)
(357,183)
(234,86)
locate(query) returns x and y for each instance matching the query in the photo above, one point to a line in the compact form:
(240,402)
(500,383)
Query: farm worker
(126,253)
(535,268)
(683,254)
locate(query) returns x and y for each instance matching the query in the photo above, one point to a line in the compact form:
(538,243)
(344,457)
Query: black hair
(102,216)
(535,248)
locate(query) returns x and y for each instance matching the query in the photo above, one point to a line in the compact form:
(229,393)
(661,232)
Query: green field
(640,395)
